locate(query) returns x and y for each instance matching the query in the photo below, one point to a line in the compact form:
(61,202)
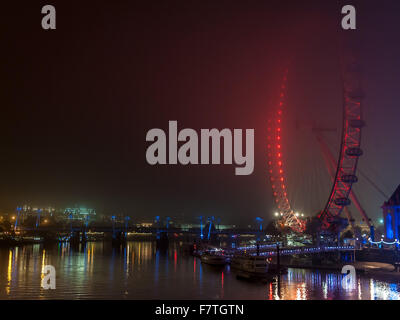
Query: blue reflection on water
(157,266)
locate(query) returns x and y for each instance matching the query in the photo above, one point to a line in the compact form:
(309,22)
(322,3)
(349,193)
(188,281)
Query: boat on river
(249,266)
(213,258)
(12,240)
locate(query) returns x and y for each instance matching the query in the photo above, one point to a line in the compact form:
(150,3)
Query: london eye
(329,149)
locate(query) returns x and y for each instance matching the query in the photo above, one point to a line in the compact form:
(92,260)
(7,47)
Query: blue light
(201,228)
(210,219)
(259,220)
(389,229)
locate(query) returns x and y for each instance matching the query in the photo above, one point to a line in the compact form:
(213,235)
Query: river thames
(138,271)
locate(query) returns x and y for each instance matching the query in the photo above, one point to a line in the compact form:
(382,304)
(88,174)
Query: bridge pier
(162,241)
(83,236)
(118,237)
(75,237)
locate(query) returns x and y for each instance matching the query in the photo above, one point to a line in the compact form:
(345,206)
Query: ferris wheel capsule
(357,123)
(354,152)
(342,202)
(357,94)
(349,178)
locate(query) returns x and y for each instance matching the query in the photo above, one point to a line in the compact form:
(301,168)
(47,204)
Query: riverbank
(370,268)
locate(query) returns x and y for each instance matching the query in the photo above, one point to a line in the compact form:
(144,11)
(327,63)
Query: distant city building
(26,211)
(32,209)
(391,216)
(79,213)
(144,224)
(189,226)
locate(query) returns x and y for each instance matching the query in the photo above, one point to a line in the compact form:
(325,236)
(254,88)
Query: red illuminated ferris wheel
(342,170)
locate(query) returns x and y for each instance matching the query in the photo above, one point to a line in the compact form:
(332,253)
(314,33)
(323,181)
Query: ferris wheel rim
(350,149)
(349,153)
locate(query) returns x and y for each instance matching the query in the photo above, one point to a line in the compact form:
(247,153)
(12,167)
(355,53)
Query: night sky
(78,101)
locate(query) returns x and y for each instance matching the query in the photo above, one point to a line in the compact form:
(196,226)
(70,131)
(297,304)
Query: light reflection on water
(138,271)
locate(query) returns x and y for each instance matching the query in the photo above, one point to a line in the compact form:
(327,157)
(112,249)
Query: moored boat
(250,266)
(213,258)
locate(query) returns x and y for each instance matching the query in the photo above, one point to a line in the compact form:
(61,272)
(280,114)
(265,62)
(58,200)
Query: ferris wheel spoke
(341,172)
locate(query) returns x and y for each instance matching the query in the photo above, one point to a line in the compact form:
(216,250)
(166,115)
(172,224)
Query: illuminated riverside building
(391,216)
(190,226)
(26,211)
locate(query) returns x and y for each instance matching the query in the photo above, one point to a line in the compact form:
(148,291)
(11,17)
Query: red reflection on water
(175,259)
(270,297)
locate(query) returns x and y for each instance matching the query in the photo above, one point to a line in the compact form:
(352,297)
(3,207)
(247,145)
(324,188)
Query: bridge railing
(270,250)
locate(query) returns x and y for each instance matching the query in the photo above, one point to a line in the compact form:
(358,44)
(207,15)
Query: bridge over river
(272,250)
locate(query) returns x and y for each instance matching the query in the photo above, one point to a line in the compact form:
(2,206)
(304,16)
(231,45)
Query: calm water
(98,271)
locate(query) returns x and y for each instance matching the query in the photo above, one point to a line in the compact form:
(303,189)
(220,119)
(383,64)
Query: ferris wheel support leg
(349,217)
(331,167)
(360,208)
(330,161)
